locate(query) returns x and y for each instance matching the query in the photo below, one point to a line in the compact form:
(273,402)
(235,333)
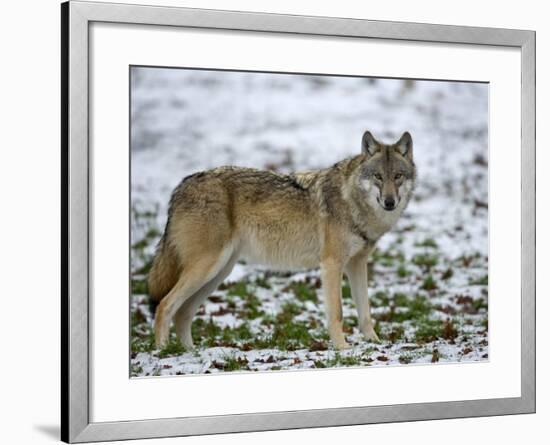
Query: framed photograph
(275,222)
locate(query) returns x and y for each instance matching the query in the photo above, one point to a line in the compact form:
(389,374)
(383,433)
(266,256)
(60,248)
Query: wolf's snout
(389,203)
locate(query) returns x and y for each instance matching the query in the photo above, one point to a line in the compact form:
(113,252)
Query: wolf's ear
(405,145)
(369,145)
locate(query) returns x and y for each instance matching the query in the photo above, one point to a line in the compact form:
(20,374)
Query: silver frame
(76,17)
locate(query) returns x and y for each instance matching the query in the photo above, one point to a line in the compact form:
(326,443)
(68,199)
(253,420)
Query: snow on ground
(429,286)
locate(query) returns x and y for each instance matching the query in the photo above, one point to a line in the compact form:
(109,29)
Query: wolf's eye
(398,176)
(378,176)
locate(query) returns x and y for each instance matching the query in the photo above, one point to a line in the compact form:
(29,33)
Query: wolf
(329,218)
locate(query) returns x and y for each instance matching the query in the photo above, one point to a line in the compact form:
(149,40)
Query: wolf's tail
(164,273)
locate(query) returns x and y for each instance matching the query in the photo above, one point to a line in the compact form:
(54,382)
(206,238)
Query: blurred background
(430,284)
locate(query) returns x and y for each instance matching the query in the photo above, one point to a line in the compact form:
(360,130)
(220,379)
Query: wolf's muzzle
(389,203)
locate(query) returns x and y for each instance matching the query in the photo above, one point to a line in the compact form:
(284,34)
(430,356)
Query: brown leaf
(449,330)
(215,298)
(318,346)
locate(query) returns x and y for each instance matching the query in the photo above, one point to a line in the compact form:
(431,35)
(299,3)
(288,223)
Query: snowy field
(429,277)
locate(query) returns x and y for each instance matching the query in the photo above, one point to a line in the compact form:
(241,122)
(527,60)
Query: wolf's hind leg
(193,277)
(184,316)
(356,270)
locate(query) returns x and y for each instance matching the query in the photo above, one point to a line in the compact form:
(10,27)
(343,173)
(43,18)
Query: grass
(338,359)
(379,299)
(205,332)
(429,283)
(303,291)
(428,242)
(402,271)
(396,333)
(387,258)
(428,331)
(238,289)
(232,363)
(431,330)
(274,313)
(144,221)
(425,260)
(482,281)
(174,347)
(404,309)
(139,286)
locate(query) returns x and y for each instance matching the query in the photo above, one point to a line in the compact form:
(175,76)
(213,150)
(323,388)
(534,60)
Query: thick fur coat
(330,218)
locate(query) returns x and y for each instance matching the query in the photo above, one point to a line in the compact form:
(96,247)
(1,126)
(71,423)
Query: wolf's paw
(161,344)
(370,335)
(186,340)
(341,345)
(161,340)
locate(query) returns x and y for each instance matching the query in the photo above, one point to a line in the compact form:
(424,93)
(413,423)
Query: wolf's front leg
(331,277)
(356,270)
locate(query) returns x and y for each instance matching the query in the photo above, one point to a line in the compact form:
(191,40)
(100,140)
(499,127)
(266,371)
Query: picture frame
(78,231)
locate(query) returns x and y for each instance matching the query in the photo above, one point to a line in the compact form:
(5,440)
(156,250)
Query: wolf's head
(388,172)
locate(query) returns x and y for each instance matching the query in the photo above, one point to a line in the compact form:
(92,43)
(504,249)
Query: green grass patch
(339,360)
(231,363)
(205,333)
(208,334)
(482,281)
(252,308)
(288,311)
(262,282)
(174,347)
(397,333)
(142,343)
(143,222)
(302,291)
(428,330)
(415,308)
(141,244)
(234,336)
(429,283)
(139,287)
(238,289)
(387,258)
(152,233)
(402,271)
(346,292)
(428,242)
(136,369)
(379,299)
(289,334)
(425,260)
(142,338)
(480,303)
(400,300)
(431,330)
